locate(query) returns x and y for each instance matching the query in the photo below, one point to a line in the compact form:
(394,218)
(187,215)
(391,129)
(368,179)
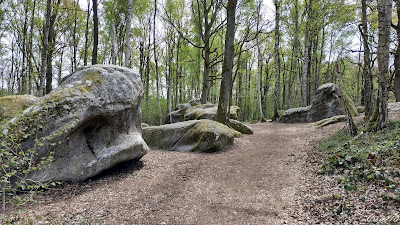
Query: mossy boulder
(89,123)
(190,136)
(325,104)
(240,127)
(11,105)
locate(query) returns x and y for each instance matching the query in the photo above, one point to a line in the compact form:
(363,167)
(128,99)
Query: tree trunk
(45,40)
(385,18)
(156,62)
(128,35)
(51,48)
(296,54)
(342,102)
(177,72)
(396,84)
(76,5)
(95,33)
(306,58)
(114,40)
(206,78)
(368,82)
(30,46)
(22,86)
(227,66)
(277,62)
(259,68)
(85,59)
(60,68)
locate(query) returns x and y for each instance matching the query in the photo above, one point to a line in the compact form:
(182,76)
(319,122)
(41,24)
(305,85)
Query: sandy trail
(253,181)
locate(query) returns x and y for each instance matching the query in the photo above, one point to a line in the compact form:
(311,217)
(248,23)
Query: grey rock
(325,104)
(94,120)
(299,115)
(190,136)
(177,115)
(394,107)
(239,126)
(195,101)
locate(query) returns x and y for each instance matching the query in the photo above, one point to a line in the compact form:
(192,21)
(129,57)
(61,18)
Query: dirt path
(252,182)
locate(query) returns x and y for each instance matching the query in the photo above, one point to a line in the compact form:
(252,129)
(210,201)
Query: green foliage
(18,163)
(150,110)
(372,158)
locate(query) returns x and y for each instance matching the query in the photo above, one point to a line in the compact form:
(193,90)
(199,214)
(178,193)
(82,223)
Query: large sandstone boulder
(190,136)
(11,105)
(325,104)
(91,122)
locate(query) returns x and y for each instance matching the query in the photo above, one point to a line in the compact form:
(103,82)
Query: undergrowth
(371,160)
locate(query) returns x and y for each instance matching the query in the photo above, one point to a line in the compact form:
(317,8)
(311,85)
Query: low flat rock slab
(239,126)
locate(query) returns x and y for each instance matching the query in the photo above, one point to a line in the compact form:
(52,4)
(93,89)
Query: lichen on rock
(103,102)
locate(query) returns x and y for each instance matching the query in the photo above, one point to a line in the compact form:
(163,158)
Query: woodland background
(177,46)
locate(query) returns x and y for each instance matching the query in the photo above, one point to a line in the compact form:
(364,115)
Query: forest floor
(260,179)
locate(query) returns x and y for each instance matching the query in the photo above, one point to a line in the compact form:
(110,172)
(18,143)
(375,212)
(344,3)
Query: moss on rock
(240,127)
(190,136)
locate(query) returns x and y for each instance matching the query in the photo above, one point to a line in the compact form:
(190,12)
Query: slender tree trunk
(156,62)
(22,85)
(385,18)
(368,82)
(206,78)
(51,48)
(207,53)
(85,59)
(45,40)
(306,58)
(128,35)
(60,68)
(227,66)
(342,102)
(266,84)
(76,4)
(396,84)
(95,33)
(296,54)
(277,62)
(169,60)
(30,46)
(177,72)
(259,69)
(114,39)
